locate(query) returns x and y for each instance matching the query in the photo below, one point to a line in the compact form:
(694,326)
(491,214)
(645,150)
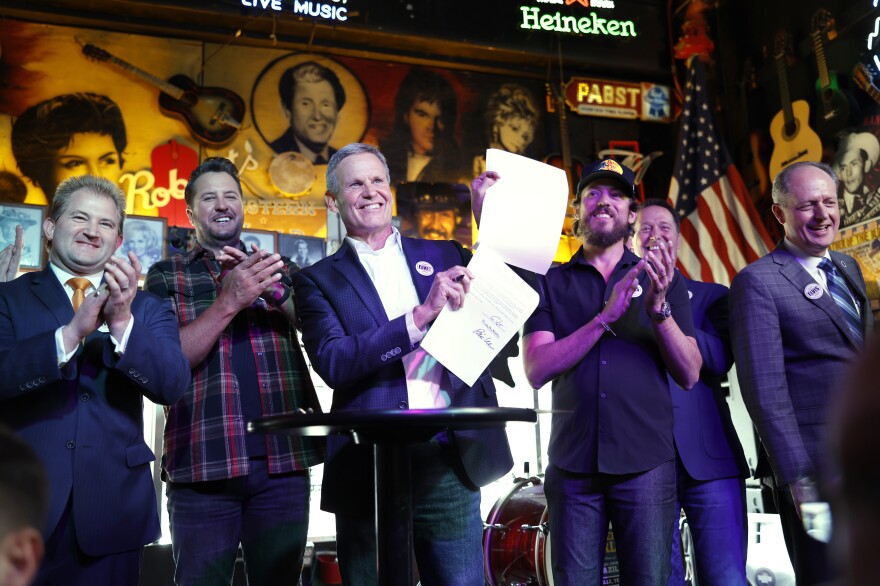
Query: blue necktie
(840,292)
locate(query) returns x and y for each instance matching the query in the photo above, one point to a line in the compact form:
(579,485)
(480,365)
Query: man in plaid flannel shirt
(236,316)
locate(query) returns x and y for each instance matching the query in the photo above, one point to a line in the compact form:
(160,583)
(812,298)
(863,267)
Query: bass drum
(515,537)
(517,542)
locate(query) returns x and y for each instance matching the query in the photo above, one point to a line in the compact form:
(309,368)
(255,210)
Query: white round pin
(638,291)
(424,268)
(690,294)
(813,291)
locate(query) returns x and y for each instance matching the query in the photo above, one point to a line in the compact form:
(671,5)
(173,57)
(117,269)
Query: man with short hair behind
(311,97)
(365,310)
(798,320)
(710,463)
(236,313)
(80,348)
(608,327)
(24,495)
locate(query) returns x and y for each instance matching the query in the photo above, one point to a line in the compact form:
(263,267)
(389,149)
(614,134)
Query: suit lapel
(51,294)
(416,252)
(800,279)
(349,266)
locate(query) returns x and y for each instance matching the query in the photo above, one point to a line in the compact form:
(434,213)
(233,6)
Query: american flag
(721,232)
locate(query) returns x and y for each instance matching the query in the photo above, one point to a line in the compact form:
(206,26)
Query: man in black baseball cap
(606,331)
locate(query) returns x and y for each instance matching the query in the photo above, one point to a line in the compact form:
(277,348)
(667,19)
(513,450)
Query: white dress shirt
(393,281)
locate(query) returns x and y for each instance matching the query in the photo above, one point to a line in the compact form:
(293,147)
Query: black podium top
(392,424)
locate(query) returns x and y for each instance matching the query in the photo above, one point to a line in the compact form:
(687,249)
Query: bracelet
(277,296)
(604,325)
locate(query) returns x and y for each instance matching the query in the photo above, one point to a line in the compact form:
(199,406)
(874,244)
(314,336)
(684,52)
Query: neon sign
(872,36)
(589,23)
(618,99)
(328,10)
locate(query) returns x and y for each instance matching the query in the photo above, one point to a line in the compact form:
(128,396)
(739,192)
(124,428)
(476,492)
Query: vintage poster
(143,111)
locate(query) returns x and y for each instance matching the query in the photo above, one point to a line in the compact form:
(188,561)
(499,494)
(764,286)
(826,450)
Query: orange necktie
(79,286)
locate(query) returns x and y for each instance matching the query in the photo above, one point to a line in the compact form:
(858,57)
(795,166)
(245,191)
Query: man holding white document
(364,311)
(607,329)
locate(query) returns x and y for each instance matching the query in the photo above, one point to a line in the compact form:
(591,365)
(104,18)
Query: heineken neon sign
(587,22)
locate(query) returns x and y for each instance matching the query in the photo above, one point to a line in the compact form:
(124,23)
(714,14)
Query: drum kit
(517,540)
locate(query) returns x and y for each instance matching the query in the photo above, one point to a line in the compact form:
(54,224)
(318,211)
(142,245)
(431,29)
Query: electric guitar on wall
(573,168)
(212,114)
(832,112)
(863,78)
(793,139)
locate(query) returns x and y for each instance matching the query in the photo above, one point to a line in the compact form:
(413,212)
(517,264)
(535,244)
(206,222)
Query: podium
(392,432)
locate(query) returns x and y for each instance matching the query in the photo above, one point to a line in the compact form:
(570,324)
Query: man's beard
(604,239)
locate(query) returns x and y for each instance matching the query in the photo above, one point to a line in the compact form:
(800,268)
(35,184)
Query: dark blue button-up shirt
(620,418)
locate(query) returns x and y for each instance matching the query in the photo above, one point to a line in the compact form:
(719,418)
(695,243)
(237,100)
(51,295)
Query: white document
(520,225)
(523,212)
(495,308)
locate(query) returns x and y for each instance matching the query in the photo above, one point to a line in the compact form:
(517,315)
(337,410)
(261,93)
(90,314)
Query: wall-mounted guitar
(213,115)
(832,112)
(793,139)
(863,78)
(573,167)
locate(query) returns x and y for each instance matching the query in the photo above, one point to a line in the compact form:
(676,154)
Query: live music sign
(328,9)
(618,99)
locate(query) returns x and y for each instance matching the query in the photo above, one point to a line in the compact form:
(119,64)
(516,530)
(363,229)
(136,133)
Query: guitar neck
(563,136)
(784,94)
(821,64)
(163,86)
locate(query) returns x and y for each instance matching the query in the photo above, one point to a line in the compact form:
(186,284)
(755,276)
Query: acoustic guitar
(793,139)
(832,113)
(213,115)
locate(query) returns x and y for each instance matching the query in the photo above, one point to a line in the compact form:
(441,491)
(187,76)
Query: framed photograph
(145,236)
(264,239)
(303,250)
(30,218)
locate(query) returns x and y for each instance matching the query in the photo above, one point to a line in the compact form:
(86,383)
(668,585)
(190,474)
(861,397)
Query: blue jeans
(716,515)
(641,508)
(447,526)
(267,515)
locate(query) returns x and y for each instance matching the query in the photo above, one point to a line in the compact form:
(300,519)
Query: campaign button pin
(690,294)
(813,291)
(424,268)
(638,291)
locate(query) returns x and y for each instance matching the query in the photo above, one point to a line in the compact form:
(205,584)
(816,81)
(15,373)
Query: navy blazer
(791,353)
(705,437)
(86,421)
(357,351)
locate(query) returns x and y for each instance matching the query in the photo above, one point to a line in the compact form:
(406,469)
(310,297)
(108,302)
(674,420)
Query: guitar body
(832,111)
(211,113)
(794,144)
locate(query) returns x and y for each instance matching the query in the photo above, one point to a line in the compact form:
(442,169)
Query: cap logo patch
(611,165)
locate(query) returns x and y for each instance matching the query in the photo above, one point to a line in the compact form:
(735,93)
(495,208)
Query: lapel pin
(424,268)
(813,291)
(638,291)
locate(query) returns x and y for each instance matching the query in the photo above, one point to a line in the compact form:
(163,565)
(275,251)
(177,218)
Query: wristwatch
(665,312)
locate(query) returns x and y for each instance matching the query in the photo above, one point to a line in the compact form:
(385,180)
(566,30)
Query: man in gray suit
(799,317)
